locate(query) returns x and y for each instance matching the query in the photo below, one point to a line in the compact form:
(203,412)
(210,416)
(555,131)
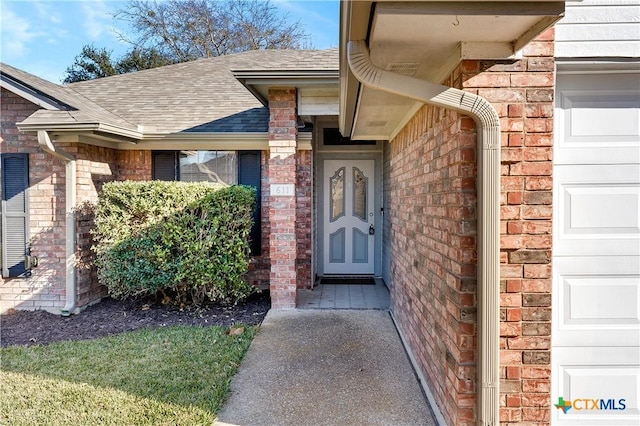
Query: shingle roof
(74,108)
(196,96)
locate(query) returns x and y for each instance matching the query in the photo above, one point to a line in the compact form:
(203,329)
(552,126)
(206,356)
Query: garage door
(596,250)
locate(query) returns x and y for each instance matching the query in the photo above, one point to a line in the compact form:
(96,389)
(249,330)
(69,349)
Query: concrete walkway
(326,367)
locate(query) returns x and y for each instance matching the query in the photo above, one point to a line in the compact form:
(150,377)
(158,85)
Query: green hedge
(187,240)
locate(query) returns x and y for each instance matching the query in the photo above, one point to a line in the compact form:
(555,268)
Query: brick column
(282,207)
(522,93)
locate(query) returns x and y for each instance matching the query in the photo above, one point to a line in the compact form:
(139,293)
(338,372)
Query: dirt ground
(111,317)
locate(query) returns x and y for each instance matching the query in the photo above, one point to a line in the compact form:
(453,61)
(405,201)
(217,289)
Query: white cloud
(45,11)
(96,19)
(16,34)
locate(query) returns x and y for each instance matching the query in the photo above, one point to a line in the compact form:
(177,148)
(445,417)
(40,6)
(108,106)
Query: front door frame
(366,153)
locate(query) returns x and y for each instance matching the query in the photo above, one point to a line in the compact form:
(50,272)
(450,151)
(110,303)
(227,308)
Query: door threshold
(347,280)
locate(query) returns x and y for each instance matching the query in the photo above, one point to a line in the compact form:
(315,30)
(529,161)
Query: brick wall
(45,288)
(260,266)
(526,233)
(282,209)
(431,210)
(134,165)
(94,167)
(303,219)
(432,228)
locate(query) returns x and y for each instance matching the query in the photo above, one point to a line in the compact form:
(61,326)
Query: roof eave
(103,128)
(427,39)
(228,141)
(259,81)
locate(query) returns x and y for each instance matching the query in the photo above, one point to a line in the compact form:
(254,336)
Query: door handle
(372,230)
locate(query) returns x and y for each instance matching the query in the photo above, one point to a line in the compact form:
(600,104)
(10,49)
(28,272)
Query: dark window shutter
(249,175)
(164,165)
(15,213)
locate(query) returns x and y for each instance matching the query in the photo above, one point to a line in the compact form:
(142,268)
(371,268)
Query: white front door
(596,250)
(349,226)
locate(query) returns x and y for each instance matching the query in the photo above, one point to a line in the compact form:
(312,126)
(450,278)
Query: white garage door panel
(586,112)
(598,210)
(595,350)
(614,155)
(598,119)
(597,373)
(596,301)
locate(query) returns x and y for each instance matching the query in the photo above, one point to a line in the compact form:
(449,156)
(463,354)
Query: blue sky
(43,37)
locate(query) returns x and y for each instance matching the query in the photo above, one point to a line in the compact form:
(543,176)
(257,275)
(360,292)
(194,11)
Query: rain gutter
(70,201)
(488,187)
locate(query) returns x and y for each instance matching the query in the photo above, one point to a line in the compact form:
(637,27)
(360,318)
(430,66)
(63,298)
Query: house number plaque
(282,190)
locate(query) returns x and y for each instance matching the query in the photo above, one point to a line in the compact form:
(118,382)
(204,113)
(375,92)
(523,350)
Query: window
(209,166)
(229,167)
(15,213)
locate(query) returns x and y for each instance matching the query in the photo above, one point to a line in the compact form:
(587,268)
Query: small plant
(187,240)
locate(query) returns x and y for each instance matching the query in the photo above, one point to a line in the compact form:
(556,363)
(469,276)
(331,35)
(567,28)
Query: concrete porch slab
(326,367)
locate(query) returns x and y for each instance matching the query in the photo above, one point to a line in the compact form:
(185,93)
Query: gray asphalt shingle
(197,96)
(75,108)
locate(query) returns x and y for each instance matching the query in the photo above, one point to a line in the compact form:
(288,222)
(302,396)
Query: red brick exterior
(433,237)
(134,165)
(283,209)
(430,182)
(303,219)
(94,167)
(45,289)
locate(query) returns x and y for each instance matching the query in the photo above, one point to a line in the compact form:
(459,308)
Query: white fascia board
(93,134)
(258,82)
(104,128)
(210,141)
(277,76)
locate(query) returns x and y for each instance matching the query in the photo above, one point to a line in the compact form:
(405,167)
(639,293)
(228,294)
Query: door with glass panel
(349,226)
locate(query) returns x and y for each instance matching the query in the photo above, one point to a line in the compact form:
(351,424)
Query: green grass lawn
(167,376)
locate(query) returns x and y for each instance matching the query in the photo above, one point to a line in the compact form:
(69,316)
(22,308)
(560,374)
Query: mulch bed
(111,317)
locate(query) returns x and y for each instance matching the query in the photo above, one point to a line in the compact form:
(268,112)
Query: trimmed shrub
(189,240)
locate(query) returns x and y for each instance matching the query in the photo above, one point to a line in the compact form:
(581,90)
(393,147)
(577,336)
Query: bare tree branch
(171,31)
(190,29)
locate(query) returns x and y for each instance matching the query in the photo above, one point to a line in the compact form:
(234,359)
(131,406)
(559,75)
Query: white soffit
(428,39)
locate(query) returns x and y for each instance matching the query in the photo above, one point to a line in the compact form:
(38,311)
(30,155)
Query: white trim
(596,66)
(81,127)
(239,141)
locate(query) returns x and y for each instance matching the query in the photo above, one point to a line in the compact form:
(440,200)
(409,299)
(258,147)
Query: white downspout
(488,124)
(70,201)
